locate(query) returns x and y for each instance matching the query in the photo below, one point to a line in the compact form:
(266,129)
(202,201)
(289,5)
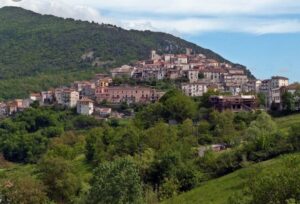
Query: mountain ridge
(33,44)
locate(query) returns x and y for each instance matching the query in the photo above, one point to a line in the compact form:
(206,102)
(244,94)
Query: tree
(95,147)
(288,102)
(204,100)
(297,98)
(261,134)
(24,147)
(129,141)
(180,107)
(160,137)
(169,188)
(262,99)
(223,125)
(150,115)
(204,135)
(59,176)
(186,133)
(26,190)
(278,185)
(116,182)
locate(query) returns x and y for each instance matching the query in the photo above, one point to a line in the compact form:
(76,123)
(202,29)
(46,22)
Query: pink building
(129,94)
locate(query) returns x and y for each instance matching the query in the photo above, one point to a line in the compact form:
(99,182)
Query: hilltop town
(95,113)
(195,74)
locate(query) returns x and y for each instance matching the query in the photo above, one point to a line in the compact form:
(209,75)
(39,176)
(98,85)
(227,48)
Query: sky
(263,35)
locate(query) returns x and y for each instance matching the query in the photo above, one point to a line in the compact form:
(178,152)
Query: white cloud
(61,8)
(201,7)
(179,16)
(196,25)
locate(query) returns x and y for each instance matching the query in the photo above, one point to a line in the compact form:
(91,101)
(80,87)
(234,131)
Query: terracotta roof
(86,100)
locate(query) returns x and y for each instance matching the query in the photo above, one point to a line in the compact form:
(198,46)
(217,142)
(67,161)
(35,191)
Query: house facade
(194,89)
(128,94)
(85,106)
(66,97)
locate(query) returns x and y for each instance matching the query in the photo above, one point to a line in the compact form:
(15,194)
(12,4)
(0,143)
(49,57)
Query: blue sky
(264,55)
(263,35)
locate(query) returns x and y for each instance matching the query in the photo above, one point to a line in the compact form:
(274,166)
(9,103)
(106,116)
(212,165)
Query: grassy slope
(284,123)
(217,191)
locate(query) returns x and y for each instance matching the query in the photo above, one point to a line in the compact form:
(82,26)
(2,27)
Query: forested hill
(38,51)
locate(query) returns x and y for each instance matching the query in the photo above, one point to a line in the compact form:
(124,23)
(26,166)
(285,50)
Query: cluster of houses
(196,73)
(83,95)
(273,89)
(202,74)
(199,72)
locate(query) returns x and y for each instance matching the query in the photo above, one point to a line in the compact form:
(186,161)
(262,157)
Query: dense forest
(42,51)
(51,154)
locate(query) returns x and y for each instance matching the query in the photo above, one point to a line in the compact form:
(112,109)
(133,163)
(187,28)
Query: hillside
(219,190)
(40,51)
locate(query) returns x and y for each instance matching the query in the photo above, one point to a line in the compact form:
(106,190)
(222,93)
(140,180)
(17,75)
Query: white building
(35,97)
(193,75)
(194,89)
(214,75)
(272,89)
(67,97)
(47,97)
(238,79)
(182,59)
(252,86)
(3,109)
(85,106)
(104,112)
(124,71)
(279,81)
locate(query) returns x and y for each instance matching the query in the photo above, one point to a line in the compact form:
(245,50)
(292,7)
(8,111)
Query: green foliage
(262,99)
(180,107)
(204,134)
(223,126)
(24,148)
(25,190)
(294,137)
(264,138)
(150,115)
(26,136)
(172,106)
(169,188)
(85,122)
(116,182)
(279,185)
(204,101)
(288,102)
(229,189)
(59,176)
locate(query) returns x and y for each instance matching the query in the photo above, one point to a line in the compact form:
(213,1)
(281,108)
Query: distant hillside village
(196,73)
